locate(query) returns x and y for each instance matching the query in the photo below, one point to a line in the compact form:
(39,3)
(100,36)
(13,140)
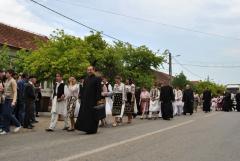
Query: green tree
(71,55)
(215,88)
(5,62)
(138,63)
(62,53)
(180,81)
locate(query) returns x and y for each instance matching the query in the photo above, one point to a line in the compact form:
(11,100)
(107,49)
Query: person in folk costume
(213,103)
(130,104)
(91,97)
(219,103)
(167,98)
(119,98)
(154,106)
(144,102)
(207,97)
(196,101)
(59,106)
(72,101)
(178,104)
(107,92)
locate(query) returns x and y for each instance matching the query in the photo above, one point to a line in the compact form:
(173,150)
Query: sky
(219,17)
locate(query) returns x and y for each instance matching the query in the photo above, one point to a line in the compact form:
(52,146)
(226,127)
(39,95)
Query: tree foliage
(71,55)
(215,88)
(5,62)
(180,81)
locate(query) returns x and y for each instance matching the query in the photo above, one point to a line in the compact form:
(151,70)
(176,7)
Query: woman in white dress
(178,104)
(72,100)
(107,96)
(119,98)
(154,102)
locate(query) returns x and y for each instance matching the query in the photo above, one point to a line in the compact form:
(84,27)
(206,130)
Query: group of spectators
(20,97)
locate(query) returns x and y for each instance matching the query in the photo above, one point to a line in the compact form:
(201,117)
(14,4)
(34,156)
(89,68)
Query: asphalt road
(201,137)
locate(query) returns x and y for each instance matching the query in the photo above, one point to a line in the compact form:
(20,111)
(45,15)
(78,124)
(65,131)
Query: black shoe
(65,128)
(70,130)
(27,127)
(34,122)
(49,130)
(166,119)
(89,133)
(37,115)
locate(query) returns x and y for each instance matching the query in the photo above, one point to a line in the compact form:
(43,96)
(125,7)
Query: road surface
(201,137)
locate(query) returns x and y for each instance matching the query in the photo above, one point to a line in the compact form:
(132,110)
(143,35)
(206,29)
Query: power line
(153,21)
(187,68)
(211,66)
(73,20)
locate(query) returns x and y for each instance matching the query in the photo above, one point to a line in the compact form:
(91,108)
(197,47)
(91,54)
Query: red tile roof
(19,38)
(161,77)
(195,82)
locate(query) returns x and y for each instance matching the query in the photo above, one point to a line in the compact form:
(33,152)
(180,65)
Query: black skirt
(117,104)
(129,105)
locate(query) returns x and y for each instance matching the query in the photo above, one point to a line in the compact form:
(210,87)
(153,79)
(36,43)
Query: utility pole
(170,66)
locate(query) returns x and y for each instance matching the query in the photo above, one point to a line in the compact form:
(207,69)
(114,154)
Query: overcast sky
(221,17)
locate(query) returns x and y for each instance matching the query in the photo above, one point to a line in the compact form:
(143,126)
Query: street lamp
(170,63)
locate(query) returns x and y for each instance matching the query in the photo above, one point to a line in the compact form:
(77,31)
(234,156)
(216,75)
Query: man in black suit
(29,98)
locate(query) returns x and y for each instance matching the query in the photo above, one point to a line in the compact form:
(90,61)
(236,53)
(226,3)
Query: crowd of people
(85,105)
(20,98)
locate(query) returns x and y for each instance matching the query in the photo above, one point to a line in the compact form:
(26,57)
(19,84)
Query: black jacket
(29,92)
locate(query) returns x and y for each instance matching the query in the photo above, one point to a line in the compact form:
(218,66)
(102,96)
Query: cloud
(14,13)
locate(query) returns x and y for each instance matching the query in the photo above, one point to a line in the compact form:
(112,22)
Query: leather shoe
(49,130)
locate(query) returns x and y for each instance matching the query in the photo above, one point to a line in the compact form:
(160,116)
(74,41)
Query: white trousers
(54,119)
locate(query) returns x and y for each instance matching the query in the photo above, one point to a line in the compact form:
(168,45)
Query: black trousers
(28,113)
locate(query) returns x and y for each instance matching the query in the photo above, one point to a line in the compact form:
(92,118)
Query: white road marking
(212,114)
(77,156)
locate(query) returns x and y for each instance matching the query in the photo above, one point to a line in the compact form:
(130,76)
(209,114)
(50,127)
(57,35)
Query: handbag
(100,112)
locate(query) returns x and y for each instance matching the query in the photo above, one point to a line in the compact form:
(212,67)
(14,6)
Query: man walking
(207,97)
(29,98)
(20,99)
(188,99)
(10,93)
(59,106)
(166,98)
(87,120)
